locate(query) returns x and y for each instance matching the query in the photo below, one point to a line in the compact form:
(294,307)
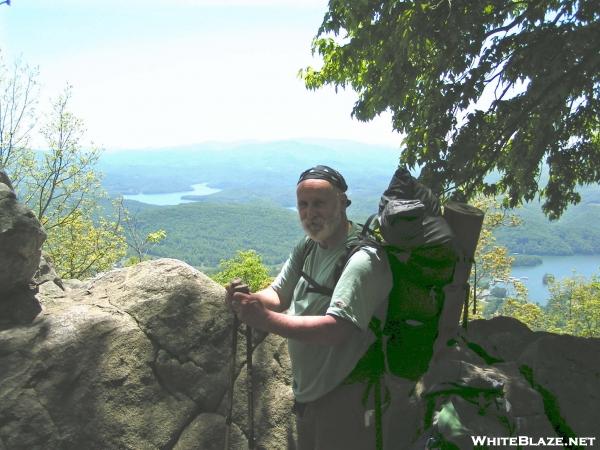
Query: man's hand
(247,307)
(236,285)
(250,310)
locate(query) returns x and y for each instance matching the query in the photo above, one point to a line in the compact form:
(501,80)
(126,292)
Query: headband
(325,173)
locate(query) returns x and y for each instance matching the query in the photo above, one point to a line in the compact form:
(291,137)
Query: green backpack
(420,248)
(414,305)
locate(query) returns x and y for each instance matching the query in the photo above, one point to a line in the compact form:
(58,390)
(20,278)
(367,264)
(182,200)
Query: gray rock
(46,273)
(566,371)
(136,358)
(464,397)
(502,337)
(207,432)
(19,307)
(21,239)
(5,180)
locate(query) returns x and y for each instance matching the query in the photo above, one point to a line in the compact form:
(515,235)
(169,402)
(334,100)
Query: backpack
(419,246)
(423,255)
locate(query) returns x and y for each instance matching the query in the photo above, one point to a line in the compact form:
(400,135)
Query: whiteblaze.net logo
(526,441)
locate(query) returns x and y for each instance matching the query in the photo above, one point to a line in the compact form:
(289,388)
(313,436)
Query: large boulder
(135,358)
(21,239)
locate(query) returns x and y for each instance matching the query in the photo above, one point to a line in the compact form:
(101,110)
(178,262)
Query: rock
(274,421)
(207,432)
(18,307)
(464,396)
(21,239)
(5,180)
(136,358)
(565,370)
(46,273)
(503,337)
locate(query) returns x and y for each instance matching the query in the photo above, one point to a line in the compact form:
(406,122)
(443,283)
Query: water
(172,198)
(559,266)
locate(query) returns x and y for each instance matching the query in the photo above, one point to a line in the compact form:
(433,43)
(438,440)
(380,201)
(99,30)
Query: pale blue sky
(168,72)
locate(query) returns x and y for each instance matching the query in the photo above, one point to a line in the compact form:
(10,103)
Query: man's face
(321,208)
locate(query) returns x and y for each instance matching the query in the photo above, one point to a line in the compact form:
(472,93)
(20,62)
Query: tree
(18,99)
(246,265)
(492,261)
(139,241)
(59,184)
(64,191)
(476,86)
(81,247)
(529,313)
(574,307)
(62,182)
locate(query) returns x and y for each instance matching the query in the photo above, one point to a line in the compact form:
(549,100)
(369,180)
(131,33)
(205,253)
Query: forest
(209,230)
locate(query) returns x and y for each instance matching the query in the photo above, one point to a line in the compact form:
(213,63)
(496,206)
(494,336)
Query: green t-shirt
(360,293)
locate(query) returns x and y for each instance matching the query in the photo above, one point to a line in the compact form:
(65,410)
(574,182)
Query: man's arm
(324,330)
(267,296)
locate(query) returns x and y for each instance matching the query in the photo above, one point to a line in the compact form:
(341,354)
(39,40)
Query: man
(327,334)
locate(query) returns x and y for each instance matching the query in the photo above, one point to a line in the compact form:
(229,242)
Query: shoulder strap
(365,238)
(313,286)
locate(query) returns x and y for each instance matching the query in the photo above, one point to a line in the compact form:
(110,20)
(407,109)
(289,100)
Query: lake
(559,266)
(172,198)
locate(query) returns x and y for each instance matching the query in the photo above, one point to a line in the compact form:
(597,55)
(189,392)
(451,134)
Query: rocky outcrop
(21,239)
(139,358)
(136,358)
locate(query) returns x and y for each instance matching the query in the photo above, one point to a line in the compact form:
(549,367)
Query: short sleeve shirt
(360,293)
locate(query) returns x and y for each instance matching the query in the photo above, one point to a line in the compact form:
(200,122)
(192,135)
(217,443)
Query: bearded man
(327,332)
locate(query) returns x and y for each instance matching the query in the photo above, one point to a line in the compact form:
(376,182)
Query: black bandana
(325,173)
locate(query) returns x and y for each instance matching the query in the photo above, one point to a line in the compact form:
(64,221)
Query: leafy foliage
(62,181)
(574,308)
(246,265)
(60,184)
(530,314)
(491,260)
(18,98)
(476,85)
(80,248)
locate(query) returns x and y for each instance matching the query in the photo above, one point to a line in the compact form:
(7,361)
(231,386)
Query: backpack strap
(364,239)
(313,285)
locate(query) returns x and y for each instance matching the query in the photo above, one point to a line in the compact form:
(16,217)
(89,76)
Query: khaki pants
(336,421)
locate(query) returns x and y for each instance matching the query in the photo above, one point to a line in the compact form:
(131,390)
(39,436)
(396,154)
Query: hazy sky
(168,72)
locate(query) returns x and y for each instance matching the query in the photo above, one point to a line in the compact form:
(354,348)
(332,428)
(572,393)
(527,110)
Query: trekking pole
(250,387)
(241,288)
(231,382)
(249,382)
